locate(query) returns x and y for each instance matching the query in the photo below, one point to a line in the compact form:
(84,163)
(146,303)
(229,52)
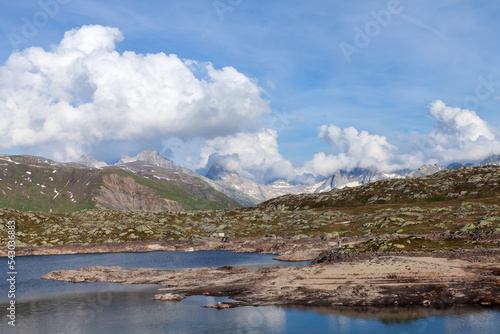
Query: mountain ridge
(30,183)
(249,193)
(456,203)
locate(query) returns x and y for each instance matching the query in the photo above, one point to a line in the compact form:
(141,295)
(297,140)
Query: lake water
(60,307)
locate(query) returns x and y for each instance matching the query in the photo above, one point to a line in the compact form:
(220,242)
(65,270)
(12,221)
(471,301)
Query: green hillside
(35,184)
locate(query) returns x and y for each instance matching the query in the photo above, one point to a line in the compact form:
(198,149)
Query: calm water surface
(62,307)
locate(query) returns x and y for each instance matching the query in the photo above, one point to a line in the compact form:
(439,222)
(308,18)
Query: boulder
(168,297)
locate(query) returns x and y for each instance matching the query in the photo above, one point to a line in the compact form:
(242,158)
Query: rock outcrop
(168,297)
(123,193)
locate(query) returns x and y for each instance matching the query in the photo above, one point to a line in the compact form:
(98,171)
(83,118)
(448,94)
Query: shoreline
(437,279)
(287,249)
(334,277)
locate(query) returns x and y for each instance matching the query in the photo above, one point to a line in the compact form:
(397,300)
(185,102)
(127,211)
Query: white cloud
(90,38)
(459,135)
(62,102)
(457,125)
(252,155)
(83,92)
(354,149)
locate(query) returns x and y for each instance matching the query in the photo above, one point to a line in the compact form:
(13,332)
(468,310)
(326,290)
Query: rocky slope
(123,193)
(153,165)
(194,185)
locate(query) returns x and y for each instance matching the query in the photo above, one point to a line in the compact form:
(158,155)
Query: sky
(269,89)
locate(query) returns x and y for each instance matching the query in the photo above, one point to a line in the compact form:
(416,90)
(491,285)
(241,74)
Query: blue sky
(422,52)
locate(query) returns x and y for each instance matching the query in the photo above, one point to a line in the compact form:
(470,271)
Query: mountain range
(249,193)
(152,182)
(29,183)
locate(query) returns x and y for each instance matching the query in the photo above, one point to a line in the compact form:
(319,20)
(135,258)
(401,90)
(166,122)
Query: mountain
(89,161)
(253,192)
(462,203)
(249,193)
(156,159)
(462,183)
(195,185)
(30,183)
(356,177)
(171,182)
(257,193)
(426,170)
(491,160)
(175,173)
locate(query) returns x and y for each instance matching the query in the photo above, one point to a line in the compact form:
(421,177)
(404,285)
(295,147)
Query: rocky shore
(353,275)
(287,249)
(334,278)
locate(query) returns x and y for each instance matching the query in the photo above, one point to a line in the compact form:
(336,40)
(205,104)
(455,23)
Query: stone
(168,297)
(221,306)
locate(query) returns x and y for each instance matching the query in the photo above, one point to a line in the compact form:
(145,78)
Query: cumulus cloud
(83,92)
(62,102)
(252,155)
(353,149)
(459,135)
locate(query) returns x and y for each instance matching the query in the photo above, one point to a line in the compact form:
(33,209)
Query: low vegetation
(460,202)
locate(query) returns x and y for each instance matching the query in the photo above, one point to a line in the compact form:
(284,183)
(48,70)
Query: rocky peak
(149,156)
(153,157)
(89,161)
(426,170)
(216,172)
(491,160)
(156,159)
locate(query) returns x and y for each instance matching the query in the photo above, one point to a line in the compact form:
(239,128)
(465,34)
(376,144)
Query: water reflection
(395,315)
(477,322)
(405,320)
(61,307)
(133,311)
(136,312)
